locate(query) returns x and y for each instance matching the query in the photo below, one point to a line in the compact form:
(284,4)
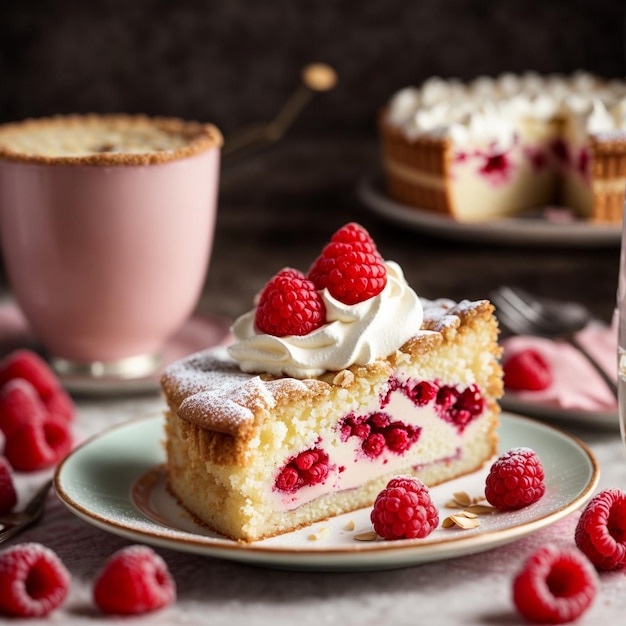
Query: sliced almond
(350,525)
(368,535)
(480,509)
(465,523)
(462,497)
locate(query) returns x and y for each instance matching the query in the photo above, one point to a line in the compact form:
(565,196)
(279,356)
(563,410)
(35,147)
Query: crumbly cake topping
(209,390)
(105,140)
(443,313)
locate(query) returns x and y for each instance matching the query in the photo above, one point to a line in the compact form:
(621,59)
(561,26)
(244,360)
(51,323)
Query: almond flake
(368,535)
(480,509)
(448,522)
(350,525)
(462,498)
(344,378)
(468,514)
(465,522)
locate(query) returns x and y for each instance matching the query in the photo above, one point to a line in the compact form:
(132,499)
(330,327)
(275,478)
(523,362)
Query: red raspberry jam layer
(380,436)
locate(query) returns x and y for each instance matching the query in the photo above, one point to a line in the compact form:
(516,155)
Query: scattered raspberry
(33,580)
(404,510)
(20,404)
(37,446)
(601,530)
(289,305)
(29,366)
(8,496)
(350,266)
(526,370)
(555,586)
(515,480)
(134,580)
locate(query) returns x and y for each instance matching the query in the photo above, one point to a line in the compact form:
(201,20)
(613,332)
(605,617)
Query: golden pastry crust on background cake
(253,455)
(498,147)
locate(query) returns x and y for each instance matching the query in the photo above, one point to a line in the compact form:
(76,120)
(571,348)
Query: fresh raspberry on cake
(350,267)
(601,530)
(526,370)
(134,580)
(404,510)
(289,305)
(555,586)
(33,581)
(28,365)
(515,480)
(8,495)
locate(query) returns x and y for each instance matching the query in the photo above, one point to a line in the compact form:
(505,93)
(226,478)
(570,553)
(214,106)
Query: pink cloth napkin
(576,385)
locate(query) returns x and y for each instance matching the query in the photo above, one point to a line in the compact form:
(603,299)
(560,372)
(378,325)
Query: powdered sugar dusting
(444,313)
(210,390)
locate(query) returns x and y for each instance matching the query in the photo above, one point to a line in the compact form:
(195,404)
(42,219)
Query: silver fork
(525,314)
(13,523)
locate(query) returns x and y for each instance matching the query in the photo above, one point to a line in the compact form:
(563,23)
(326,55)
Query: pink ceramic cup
(107,227)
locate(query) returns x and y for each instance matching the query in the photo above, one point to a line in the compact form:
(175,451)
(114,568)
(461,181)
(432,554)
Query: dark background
(235,62)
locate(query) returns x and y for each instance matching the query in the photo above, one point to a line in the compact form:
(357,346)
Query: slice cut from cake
(255,454)
(500,147)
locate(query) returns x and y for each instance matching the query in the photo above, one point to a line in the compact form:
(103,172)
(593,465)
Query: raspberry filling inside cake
(376,440)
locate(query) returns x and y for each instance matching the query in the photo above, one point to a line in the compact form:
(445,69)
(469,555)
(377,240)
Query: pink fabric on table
(576,385)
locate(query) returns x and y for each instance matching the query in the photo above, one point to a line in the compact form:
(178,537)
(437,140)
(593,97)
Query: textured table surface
(276,210)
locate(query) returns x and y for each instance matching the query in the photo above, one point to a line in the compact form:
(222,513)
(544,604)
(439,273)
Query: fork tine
(537,322)
(29,515)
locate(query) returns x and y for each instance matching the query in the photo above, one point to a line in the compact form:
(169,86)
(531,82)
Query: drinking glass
(621,312)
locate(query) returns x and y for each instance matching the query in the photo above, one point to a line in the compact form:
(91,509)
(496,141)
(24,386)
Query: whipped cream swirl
(353,335)
(489,109)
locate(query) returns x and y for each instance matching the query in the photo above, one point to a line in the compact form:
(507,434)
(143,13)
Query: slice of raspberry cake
(360,380)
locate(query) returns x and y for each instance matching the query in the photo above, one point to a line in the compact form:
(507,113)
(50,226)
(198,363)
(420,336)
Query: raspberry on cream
(353,334)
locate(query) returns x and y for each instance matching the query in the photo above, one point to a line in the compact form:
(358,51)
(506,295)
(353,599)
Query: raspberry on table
(601,530)
(515,480)
(28,365)
(37,446)
(404,510)
(555,586)
(526,370)
(350,266)
(8,495)
(20,404)
(134,580)
(33,581)
(289,305)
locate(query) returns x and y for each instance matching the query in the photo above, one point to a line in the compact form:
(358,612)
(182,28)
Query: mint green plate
(116,482)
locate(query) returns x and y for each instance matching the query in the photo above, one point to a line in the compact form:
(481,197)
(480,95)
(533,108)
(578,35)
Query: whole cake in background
(497,147)
(335,382)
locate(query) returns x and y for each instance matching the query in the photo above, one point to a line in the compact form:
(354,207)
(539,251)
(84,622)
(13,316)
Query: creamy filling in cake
(427,418)
(514,143)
